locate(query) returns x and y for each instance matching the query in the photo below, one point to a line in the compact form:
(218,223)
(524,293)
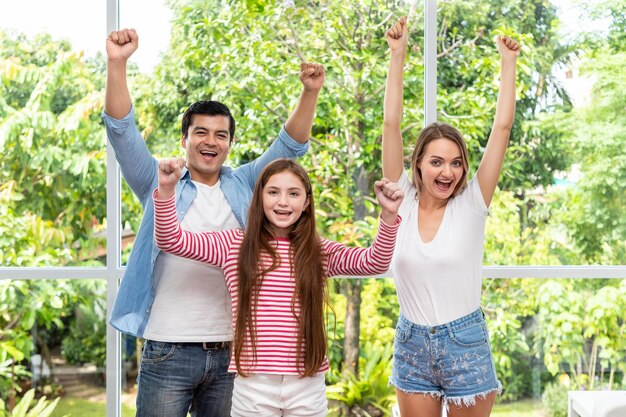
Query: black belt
(209,345)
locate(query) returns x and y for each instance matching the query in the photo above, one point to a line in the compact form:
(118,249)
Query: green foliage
(27,408)
(379,313)
(509,329)
(468,72)
(581,325)
(52,187)
(555,400)
(596,220)
(53,170)
(246,54)
(26,238)
(370,392)
(611,14)
(25,305)
(34,314)
(86,341)
(10,372)
(335,329)
(530,236)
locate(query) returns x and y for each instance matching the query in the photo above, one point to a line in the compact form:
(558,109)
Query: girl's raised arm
(397,38)
(209,247)
(491,164)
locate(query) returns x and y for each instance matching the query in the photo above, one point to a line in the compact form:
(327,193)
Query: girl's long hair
(306,260)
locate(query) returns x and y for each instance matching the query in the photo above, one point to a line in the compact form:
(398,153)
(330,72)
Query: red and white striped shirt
(276,325)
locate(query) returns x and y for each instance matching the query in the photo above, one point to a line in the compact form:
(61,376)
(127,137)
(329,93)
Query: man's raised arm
(121,44)
(300,122)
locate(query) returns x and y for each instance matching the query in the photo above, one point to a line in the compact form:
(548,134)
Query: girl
(276,272)
(441,350)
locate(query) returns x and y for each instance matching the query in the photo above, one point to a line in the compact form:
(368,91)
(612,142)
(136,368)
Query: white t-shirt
(440,281)
(191,302)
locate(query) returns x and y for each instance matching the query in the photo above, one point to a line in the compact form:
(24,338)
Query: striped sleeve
(209,247)
(344,260)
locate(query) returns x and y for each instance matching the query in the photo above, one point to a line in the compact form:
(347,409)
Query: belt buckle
(214,345)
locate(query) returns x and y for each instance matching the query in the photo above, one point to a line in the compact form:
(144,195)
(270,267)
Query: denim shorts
(451,361)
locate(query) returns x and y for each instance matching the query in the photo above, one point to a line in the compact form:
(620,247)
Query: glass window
(560,199)
(52,174)
(560,202)
(53,339)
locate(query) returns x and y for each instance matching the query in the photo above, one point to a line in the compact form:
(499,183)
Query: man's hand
(398,35)
(169,174)
(121,44)
(312,76)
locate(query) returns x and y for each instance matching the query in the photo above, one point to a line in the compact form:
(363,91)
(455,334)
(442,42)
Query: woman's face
(441,168)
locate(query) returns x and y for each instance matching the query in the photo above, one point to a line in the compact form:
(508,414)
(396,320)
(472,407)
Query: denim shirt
(139,168)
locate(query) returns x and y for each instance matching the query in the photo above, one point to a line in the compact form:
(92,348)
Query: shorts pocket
(154,352)
(403,331)
(470,336)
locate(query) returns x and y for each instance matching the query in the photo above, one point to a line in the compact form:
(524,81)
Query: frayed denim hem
(470,400)
(435,394)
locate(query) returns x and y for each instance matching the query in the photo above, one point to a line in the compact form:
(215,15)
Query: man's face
(207,145)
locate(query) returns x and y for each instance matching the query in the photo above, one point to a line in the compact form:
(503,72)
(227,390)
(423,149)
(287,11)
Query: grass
(74,407)
(524,408)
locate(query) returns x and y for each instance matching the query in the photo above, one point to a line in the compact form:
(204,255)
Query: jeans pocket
(403,331)
(154,352)
(470,336)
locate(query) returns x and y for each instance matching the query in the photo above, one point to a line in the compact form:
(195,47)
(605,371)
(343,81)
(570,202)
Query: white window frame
(113,271)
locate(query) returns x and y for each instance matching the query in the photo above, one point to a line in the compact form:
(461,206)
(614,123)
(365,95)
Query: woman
(441,352)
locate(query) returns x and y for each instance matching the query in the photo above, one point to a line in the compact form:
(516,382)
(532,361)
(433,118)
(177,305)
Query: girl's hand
(398,35)
(508,47)
(390,196)
(169,174)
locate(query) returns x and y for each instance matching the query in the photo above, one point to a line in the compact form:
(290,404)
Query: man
(181,307)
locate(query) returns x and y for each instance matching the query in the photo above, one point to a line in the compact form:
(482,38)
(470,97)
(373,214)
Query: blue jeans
(177,378)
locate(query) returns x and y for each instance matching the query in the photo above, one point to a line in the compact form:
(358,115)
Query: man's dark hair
(208,108)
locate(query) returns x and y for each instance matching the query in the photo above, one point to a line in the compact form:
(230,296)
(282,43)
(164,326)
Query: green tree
(54,153)
(52,191)
(595,220)
(581,328)
(583,321)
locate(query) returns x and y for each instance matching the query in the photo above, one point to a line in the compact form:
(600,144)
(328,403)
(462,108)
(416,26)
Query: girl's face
(284,200)
(442,169)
